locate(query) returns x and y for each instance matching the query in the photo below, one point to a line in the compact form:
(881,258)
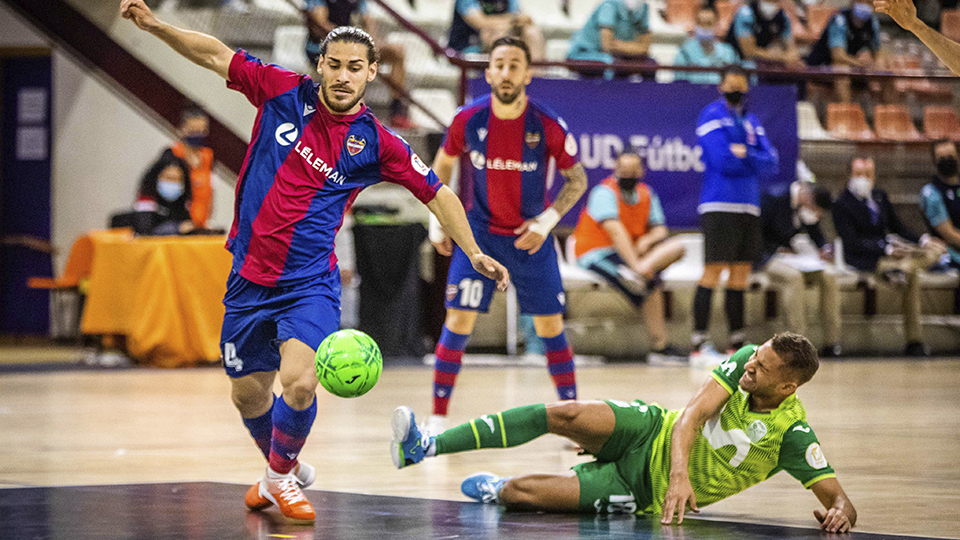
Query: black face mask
(947,167)
(627,184)
(735,99)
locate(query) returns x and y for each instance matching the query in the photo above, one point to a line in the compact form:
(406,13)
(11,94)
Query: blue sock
(261,429)
(290,430)
(560,365)
(449,354)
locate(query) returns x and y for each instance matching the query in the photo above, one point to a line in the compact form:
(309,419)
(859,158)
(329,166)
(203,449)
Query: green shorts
(619,480)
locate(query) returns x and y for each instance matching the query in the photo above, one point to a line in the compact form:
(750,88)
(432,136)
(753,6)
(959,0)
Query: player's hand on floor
(492,269)
(444,247)
(138,12)
(835,520)
(529,241)
(679,494)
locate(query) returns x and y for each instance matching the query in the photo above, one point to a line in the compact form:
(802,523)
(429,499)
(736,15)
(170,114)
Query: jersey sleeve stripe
(816,479)
(722,382)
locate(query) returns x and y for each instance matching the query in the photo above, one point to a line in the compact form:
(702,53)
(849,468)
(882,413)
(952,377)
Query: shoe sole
(400,423)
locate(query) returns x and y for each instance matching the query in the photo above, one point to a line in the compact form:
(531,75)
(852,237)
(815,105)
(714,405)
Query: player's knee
(562,416)
(300,394)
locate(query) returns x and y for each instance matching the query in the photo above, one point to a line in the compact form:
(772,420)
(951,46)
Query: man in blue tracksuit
(736,152)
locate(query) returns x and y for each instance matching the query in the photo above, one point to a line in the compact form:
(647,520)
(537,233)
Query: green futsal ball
(348,363)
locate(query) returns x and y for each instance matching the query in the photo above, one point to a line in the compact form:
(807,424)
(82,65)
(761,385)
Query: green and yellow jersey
(739,448)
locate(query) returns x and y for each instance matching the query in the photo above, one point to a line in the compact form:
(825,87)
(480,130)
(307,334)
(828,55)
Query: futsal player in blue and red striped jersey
(510,140)
(313,148)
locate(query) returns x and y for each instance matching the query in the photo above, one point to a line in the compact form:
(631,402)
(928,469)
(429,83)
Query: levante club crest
(354,146)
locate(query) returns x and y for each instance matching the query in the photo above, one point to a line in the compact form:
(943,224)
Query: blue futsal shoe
(483,487)
(408,445)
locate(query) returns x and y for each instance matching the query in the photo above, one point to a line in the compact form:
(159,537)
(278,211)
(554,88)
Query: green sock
(501,430)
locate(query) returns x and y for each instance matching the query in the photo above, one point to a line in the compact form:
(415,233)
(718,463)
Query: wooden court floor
(890,428)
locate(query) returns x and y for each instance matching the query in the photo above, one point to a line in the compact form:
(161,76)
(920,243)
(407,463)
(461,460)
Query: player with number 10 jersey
(508,140)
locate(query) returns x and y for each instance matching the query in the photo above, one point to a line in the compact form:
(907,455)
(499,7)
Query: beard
(337,106)
(505,98)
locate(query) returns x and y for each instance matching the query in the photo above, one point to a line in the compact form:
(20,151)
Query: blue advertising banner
(607,116)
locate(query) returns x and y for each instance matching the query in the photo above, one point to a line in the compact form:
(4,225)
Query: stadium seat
(682,13)
(551,19)
(893,123)
(664,54)
(281,6)
(442,103)
(433,13)
(847,121)
(950,23)
(288,48)
(726,9)
(941,122)
(557,49)
(808,125)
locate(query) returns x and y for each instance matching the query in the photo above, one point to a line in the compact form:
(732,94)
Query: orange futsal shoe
(284,491)
(305,474)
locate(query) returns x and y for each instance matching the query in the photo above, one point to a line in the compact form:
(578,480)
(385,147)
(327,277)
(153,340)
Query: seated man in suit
(875,240)
(785,213)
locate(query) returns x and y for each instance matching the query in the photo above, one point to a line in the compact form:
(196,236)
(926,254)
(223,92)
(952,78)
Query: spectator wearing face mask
(617,29)
(851,39)
(193,130)
(622,236)
(940,199)
(760,32)
(703,49)
(875,240)
(165,191)
(786,213)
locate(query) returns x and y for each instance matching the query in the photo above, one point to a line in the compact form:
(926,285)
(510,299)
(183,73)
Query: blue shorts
(536,277)
(258,319)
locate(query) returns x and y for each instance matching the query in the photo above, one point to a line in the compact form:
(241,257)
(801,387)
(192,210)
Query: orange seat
(893,122)
(79,264)
(682,13)
(950,23)
(726,10)
(847,121)
(818,15)
(941,122)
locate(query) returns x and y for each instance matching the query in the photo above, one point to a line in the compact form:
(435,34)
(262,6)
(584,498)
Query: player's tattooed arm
(201,49)
(575,185)
(840,516)
(534,232)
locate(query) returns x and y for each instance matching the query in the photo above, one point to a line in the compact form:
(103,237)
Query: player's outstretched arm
(533,232)
(706,403)
(443,167)
(840,516)
(905,14)
(446,206)
(201,49)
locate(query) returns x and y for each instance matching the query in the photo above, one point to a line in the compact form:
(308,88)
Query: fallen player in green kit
(744,425)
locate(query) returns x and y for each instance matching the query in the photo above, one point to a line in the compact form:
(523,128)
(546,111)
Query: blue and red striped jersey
(509,161)
(304,168)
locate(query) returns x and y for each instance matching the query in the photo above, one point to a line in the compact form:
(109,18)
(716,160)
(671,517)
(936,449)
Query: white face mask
(807,216)
(769,9)
(860,186)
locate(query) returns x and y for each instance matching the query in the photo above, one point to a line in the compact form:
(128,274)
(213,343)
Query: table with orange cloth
(164,294)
